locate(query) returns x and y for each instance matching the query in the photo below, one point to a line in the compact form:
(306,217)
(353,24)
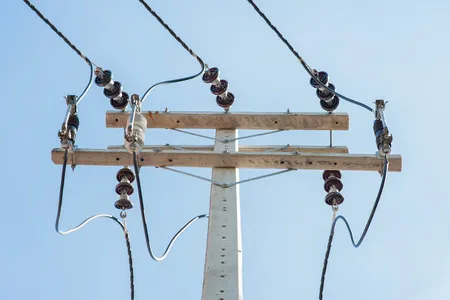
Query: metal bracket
(226,141)
(72,152)
(225,185)
(382,156)
(386,137)
(63,134)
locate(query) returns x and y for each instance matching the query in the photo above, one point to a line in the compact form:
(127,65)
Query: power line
(363,235)
(182,43)
(74,48)
(167,27)
(59,33)
(302,62)
(130,258)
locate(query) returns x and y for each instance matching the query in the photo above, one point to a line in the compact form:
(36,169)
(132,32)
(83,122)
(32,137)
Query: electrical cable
(60,202)
(130,257)
(182,43)
(302,62)
(363,235)
(144,219)
(172,81)
(82,224)
(74,48)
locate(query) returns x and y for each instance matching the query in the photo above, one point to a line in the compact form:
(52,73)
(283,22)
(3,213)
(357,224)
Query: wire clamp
(72,151)
(383,138)
(69,127)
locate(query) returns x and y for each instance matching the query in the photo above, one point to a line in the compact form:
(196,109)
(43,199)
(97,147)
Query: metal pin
(331,138)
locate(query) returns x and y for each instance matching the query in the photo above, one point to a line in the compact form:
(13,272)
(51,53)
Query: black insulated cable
(82,224)
(74,48)
(144,219)
(167,27)
(303,63)
(130,258)
(182,43)
(363,235)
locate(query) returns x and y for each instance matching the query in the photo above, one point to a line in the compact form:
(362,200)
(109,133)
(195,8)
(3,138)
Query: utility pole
(223,263)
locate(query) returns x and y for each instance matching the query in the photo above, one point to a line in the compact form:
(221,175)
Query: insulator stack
(124,188)
(219,88)
(140,127)
(136,127)
(328,100)
(112,89)
(333,186)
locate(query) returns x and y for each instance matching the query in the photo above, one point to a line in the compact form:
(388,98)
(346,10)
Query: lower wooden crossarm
(210,159)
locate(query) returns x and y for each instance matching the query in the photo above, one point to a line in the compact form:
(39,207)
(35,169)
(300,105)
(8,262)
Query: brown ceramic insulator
(333,181)
(125,172)
(226,101)
(123,204)
(331,173)
(124,188)
(220,88)
(210,75)
(334,198)
(120,103)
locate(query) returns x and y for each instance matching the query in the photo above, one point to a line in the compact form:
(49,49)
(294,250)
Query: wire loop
(144,219)
(363,235)
(182,43)
(88,220)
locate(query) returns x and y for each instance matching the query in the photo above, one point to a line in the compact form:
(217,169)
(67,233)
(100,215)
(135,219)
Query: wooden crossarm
(244,148)
(209,159)
(238,120)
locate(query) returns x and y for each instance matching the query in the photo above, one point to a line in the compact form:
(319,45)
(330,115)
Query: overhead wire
(363,235)
(144,219)
(182,43)
(302,61)
(69,43)
(130,258)
(88,220)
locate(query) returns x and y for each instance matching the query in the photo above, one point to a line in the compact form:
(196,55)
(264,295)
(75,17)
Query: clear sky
(396,50)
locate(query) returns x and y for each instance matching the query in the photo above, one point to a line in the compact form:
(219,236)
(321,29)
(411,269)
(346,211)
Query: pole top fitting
(134,98)
(380,105)
(71,99)
(98,72)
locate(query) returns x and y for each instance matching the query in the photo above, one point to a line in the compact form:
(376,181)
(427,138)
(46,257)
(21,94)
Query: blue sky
(396,50)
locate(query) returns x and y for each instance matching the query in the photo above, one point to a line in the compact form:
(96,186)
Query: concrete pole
(223,264)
